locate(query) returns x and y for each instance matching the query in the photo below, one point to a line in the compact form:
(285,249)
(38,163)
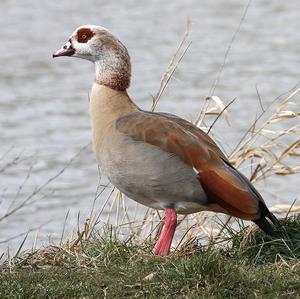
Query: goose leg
(163,244)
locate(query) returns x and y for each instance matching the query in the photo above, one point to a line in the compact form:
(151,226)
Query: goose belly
(151,176)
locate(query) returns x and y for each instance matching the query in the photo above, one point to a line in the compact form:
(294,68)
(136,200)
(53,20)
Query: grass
(261,249)
(249,265)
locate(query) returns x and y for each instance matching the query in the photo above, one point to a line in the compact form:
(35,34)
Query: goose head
(98,45)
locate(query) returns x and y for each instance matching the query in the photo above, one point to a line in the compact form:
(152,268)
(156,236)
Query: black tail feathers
(265,225)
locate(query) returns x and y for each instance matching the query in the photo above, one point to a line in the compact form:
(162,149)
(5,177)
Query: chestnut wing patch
(232,191)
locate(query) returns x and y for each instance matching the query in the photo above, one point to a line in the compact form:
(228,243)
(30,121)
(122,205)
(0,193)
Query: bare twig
(213,88)
(219,115)
(172,66)
(29,199)
(24,233)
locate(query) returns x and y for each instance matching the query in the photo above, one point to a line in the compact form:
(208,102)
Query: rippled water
(44,104)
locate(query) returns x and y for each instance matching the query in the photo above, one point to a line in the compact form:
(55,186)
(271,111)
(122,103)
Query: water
(44,104)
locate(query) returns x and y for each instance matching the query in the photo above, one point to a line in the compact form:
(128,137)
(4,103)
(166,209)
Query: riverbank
(247,265)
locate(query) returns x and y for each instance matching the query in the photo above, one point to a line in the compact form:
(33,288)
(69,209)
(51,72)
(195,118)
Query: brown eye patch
(84,35)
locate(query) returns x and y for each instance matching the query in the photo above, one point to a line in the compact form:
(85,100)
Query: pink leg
(163,244)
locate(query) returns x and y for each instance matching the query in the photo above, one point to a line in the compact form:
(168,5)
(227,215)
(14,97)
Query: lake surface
(44,116)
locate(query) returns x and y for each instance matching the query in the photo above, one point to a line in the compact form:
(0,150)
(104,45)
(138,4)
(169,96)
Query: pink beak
(65,51)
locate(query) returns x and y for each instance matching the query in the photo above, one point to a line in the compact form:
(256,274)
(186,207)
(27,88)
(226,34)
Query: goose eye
(84,35)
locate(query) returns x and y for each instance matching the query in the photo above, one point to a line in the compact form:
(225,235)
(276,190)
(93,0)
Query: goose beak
(66,50)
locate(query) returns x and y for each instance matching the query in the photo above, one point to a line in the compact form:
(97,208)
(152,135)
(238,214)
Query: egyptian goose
(157,159)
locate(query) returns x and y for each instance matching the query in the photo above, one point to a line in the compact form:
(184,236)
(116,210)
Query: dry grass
(253,266)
